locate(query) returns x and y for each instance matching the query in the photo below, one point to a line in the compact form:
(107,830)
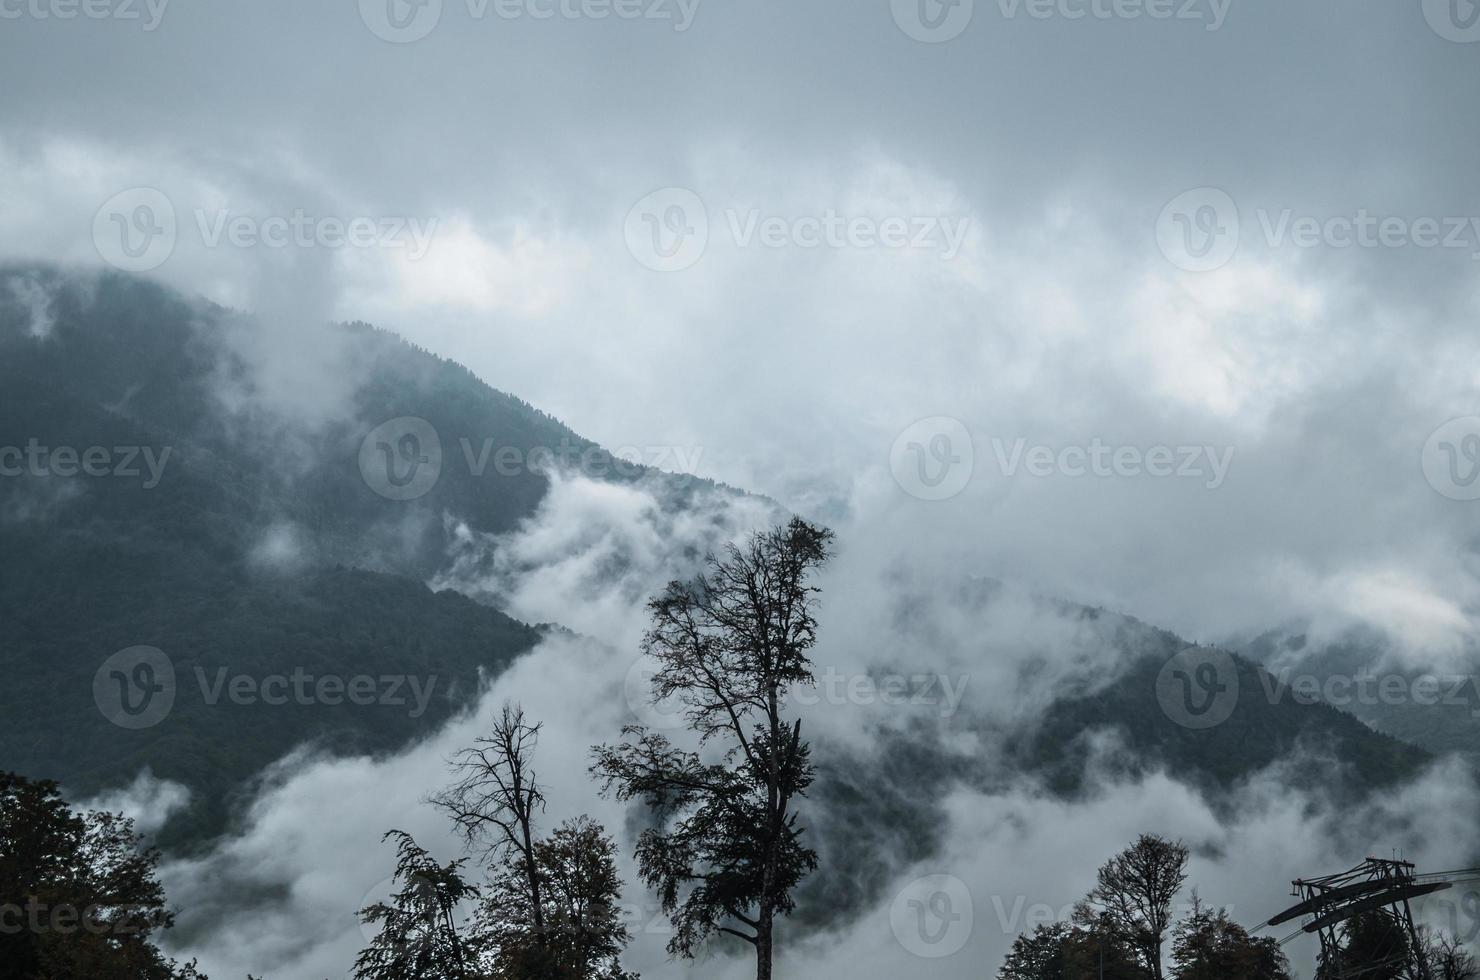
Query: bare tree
(496,796)
(1133,896)
(726,853)
(1448,959)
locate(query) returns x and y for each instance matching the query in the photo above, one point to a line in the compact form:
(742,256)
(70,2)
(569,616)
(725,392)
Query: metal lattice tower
(1377,889)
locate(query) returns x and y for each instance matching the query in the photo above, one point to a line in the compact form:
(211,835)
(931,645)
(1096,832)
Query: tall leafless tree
(496,796)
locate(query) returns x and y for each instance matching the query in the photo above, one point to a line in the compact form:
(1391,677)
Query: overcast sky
(777,235)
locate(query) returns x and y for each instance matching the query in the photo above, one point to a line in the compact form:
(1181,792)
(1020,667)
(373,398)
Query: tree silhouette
(494,801)
(727,852)
(584,931)
(1448,959)
(1060,951)
(418,938)
(1133,896)
(1208,945)
(78,892)
(1374,944)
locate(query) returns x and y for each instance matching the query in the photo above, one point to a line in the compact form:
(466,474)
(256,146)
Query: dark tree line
(79,893)
(1119,930)
(724,850)
(1121,927)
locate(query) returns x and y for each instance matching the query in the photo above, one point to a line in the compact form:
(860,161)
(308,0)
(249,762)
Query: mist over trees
(1120,928)
(727,851)
(724,848)
(550,908)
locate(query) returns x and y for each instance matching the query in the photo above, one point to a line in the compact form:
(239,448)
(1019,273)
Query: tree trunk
(763,945)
